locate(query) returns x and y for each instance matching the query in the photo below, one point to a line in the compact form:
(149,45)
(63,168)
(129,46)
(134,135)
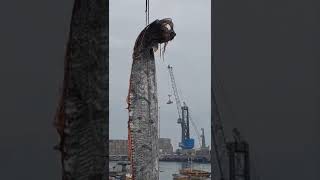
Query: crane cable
(195,128)
(147,12)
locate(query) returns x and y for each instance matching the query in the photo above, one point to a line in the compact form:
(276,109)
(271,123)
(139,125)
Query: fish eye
(168,27)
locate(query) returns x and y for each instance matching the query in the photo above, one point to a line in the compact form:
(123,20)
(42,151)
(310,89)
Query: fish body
(143,102)
(81,118)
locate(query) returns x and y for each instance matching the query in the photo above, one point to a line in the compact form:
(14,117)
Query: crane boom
(184,116)
(219,144)
(175,91)
(231,158)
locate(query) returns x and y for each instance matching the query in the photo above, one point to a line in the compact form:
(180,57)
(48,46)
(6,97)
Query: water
(169,168)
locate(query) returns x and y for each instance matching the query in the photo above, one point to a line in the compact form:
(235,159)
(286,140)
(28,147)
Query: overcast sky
(188,53)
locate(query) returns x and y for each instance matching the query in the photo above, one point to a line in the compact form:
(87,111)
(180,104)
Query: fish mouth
(169,37)
(172,35)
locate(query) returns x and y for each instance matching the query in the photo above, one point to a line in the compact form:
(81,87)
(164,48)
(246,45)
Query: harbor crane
(183,116)
(230,159)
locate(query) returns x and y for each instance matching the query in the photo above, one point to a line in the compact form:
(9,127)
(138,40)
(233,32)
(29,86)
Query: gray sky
(188,53)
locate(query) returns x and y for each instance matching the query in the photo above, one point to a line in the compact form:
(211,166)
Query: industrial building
(165,146)
(119,147)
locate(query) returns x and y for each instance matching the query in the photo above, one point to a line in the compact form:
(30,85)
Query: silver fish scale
(143,113)
(84,104)
(143,102)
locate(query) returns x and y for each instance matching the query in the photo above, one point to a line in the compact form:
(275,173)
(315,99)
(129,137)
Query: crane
(219,144)
(183,116)
(230,159)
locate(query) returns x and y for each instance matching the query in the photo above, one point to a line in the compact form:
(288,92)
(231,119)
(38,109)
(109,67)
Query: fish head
(161,31)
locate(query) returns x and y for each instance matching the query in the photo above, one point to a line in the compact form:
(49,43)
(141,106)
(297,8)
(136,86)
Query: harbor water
(169,168)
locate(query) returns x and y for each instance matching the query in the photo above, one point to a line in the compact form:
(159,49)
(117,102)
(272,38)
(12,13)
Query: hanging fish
(143,102)
(81,118)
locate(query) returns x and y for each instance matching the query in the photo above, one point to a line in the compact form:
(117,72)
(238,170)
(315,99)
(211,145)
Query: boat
(194,173)
(188,173)
(180,177)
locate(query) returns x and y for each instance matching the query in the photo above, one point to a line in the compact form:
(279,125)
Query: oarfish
(142,100)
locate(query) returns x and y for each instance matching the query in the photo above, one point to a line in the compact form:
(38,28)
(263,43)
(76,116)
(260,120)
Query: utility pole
(203,140)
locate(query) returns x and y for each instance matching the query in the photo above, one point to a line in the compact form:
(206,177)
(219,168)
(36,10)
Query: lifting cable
(147,12)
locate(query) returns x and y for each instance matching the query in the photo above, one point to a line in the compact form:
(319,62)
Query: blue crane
(184,116)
